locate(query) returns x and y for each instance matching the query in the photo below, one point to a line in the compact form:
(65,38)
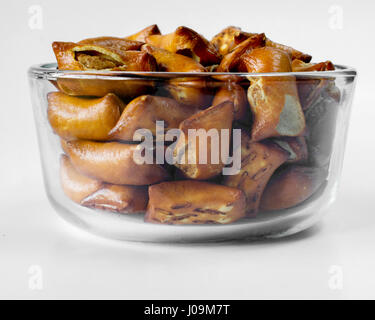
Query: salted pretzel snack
(194,202)
(83,118)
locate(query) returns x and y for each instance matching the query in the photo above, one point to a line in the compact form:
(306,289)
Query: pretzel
(142,112)
(74,184)
(144,33)
(187,42)
(295,146)
(294,54)
(259,160)
(172,62)
(231,60)
(216,117)
(194,202)
(274,100)
(291,186)
(300,66)
(83,118)
(229,38)
(113,162)
(117,198)
(102,53)
(236,94)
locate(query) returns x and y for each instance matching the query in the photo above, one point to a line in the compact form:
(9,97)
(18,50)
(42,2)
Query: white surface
(77,265)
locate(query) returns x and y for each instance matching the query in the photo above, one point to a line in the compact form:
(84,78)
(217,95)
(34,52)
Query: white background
(77,265)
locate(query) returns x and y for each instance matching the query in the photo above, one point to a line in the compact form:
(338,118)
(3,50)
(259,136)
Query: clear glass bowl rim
(49,71)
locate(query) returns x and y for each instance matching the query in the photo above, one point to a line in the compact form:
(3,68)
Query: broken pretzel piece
(118,45)
(231,60)
(172,62)
(189,43)
(144,33)
(189,91)
(229,38)
(300,66)
(103,53)
(194,202)
(294,54)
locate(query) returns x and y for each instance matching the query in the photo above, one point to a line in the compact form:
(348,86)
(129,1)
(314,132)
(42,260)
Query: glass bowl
(275,174)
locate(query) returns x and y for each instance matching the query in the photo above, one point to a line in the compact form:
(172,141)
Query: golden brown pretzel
(113,162)
(74,184)
(190,91)
(231,60)
(187,42)
(229,38)
(126,89)
(194,202)
(83,118)
(172,62)
(144,33)
(94,194)
(233,92)
(144,111)
(118,198)
(294,54)
(216,117)
(102,53)
(118,45)
(300,66)
(274,100)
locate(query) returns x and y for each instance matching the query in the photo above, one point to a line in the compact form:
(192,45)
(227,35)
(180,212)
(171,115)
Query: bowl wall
(325,99)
